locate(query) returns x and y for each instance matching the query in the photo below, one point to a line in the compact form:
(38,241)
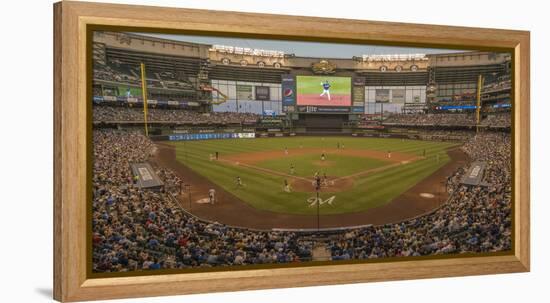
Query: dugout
(145,176)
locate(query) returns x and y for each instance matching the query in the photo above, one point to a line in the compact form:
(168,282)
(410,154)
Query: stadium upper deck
(182,73)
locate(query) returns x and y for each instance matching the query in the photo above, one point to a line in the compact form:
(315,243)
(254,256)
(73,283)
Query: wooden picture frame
(72,137)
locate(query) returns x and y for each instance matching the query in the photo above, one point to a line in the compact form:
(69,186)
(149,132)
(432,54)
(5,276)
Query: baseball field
(357,174)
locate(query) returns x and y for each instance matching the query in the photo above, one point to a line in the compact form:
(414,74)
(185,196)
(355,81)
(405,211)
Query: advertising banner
(244,92)
(358,81)
(398,96)
(455,107)
(382,95)
(358,94)
(262,93)
(288,87)
(109,98)
(209,136)
(269,112)
(322,109)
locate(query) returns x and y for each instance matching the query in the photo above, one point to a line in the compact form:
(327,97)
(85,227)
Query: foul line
(377,169)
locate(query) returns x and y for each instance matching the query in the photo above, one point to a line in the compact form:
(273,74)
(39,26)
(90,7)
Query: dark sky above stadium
(305,49)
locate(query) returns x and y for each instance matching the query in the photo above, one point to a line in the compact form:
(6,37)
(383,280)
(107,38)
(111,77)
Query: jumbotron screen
(323,90)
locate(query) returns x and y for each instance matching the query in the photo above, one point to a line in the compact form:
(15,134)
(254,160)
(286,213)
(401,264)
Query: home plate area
(203,201)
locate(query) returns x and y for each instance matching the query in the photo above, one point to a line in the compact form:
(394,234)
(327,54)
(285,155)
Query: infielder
(239,182)
(287,186)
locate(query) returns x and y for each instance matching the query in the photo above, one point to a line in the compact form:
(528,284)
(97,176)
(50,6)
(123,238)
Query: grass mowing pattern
(337,165)
(265,191)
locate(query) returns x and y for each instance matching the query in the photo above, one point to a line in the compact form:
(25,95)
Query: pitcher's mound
(332,185)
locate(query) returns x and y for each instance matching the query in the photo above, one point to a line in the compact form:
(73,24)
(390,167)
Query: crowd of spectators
(112,74)
(458,119)
(445,135)
(173,80)
(140,229)
(130,75)
(135,114)
(475,218)
(503,82)
(498,120)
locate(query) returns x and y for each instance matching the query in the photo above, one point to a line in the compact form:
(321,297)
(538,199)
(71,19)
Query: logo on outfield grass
(314,200)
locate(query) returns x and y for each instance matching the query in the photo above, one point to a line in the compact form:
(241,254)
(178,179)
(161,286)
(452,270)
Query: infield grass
(334,165)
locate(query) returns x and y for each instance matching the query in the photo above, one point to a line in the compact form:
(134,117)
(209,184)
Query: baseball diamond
(388,188)
(376,179)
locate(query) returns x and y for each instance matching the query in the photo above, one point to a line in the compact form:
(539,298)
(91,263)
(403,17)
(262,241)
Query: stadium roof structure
(302,48)
(260,60)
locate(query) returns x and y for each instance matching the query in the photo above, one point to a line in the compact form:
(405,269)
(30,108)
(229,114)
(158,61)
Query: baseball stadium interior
(155,100)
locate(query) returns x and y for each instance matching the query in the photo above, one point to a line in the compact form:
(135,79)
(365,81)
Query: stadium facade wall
(410,94)
(237,101)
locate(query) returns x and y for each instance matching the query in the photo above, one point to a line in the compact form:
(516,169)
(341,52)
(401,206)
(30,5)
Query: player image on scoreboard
(323,90)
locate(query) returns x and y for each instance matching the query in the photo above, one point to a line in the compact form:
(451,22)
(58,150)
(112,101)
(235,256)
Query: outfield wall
(252,135)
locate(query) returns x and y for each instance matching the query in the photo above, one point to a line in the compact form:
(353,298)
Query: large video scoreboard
(322,94)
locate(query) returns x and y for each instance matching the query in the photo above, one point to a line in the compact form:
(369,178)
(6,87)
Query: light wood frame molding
(72,138)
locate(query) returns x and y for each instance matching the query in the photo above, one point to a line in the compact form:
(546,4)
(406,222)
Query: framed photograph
(200,151)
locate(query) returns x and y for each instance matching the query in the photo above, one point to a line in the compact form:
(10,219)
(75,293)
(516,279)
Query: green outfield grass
(312,85)
(265,191)
(335,165)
